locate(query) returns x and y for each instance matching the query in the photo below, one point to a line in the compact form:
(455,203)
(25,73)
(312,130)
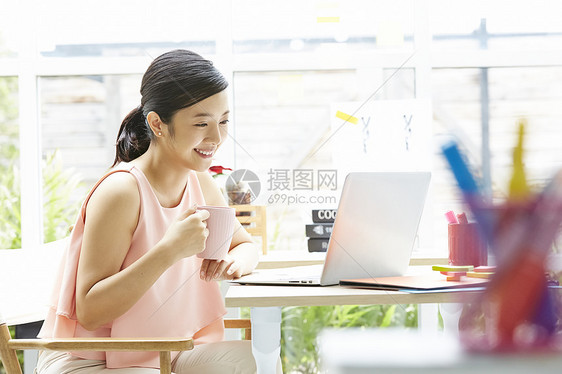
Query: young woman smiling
(130,268)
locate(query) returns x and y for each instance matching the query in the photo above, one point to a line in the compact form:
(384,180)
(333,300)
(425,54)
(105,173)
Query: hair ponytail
(133,138)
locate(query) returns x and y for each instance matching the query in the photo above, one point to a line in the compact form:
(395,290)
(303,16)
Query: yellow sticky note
(327,19)
(327,12)
(474,274)
(452,268)
(347,117)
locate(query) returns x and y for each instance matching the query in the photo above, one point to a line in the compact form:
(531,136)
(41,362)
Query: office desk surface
(270,296)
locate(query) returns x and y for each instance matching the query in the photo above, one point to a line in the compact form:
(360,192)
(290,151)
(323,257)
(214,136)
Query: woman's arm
(104,291)
(243,255)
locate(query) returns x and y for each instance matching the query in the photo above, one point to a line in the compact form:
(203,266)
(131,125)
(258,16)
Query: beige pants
(228,357)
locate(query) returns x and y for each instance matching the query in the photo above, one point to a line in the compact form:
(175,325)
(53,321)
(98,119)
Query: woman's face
(199,130)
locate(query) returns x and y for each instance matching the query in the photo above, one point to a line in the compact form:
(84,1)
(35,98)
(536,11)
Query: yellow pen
(518,188)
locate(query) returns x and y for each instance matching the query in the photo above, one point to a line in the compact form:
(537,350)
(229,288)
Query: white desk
(26,280)
(266,303)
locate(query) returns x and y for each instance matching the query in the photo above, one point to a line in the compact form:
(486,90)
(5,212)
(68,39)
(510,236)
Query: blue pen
(464,178)
(469,188)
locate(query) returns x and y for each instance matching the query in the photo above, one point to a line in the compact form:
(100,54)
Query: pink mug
(221,227)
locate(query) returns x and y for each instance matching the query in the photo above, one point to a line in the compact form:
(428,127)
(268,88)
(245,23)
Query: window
(473,25)
(331,27)
(8,37)
(283,128)
(127,28)
(77,68)
(80,118)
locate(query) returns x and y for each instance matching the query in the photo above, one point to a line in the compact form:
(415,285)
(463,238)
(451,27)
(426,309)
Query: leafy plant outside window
(59,211)
(300,327)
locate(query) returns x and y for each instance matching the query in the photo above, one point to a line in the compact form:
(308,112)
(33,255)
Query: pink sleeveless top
(178,304)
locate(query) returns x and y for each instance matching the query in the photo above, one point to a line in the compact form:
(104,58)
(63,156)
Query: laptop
(373,234)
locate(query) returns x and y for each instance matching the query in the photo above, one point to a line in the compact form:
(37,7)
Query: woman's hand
(187,235)
(228,268)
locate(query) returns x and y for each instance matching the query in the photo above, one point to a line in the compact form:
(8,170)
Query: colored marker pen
(451,217)
(461,217)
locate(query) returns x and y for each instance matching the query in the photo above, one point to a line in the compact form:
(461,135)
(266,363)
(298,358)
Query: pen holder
(517,311)
(466,246)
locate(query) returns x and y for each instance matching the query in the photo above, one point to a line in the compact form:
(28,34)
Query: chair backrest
(253,219)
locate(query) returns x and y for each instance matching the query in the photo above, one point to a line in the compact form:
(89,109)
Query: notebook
(373,234)
(424,282)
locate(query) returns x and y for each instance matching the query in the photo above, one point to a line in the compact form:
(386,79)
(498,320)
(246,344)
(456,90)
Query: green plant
(10,218)
(59,209)
(9,155)
(301,325)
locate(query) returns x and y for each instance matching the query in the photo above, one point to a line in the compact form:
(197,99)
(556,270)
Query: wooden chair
(255,223)
(9,346)
(240,323)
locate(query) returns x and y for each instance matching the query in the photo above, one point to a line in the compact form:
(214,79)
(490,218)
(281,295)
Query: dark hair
(173,81)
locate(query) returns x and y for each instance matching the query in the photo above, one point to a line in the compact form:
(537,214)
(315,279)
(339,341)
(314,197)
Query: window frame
(28,66)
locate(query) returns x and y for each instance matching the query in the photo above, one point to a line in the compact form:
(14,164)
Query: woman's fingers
(234,271)
(203,214)
(188,212)
(204,269)
(216,269)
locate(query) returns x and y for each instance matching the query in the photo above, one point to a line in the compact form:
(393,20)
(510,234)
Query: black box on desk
(319,230)
(318,244)
(324,215)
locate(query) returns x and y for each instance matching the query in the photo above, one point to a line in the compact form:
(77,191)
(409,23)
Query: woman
(130,269)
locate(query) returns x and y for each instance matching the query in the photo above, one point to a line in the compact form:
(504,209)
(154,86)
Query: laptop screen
(376,225)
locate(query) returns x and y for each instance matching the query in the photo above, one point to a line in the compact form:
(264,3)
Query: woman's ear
(155,123)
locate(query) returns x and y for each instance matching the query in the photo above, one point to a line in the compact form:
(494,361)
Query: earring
(159,133)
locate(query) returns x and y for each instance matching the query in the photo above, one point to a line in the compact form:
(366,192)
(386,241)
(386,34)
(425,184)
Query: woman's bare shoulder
(118,190)
(119,184)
